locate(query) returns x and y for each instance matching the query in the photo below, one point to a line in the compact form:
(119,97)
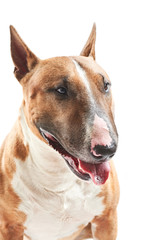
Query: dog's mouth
(99,173)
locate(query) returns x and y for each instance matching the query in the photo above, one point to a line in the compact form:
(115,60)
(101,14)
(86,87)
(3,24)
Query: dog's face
(68,104)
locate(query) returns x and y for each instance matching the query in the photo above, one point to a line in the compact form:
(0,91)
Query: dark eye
(106,86)
(62,90)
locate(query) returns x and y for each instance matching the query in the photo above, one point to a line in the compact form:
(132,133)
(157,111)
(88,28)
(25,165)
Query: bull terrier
(57,179)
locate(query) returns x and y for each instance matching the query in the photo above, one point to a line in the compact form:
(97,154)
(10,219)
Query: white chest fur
(55,201)
(52,215)
(62,215)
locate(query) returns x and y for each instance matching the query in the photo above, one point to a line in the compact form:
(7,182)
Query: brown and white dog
(56,180)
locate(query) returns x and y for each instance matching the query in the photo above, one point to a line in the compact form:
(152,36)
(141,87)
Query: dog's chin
(98,173)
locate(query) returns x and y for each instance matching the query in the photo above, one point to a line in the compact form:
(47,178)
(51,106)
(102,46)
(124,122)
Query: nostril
(104,151)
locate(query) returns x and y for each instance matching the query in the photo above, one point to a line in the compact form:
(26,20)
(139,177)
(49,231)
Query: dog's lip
(71,161)
(97,172)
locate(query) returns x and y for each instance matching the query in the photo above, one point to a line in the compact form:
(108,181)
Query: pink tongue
(98,172)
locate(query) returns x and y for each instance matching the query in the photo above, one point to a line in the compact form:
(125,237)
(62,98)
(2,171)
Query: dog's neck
(44,165)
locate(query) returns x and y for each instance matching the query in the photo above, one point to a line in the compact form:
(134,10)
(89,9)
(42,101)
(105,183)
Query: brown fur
(85,233)
(107,222)
(11,220)
(89,48)
(11,227)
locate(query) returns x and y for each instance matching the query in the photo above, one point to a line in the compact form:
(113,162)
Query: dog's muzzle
(97,171)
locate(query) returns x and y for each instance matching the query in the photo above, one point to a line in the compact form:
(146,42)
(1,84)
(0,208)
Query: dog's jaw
(99,173)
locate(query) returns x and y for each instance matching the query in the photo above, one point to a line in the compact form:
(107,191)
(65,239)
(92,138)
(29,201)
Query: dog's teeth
(79,167)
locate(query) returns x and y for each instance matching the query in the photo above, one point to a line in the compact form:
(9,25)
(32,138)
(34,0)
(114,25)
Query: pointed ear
(23,59)
(89,48)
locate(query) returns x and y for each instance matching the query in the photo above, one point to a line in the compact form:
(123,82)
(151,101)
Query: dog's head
(68,104)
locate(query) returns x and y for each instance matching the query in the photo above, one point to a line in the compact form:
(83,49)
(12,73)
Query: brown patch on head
(45,107)
(90,65)
(96,77)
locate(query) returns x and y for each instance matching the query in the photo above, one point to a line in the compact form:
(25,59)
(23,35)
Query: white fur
(55,201)
(83,76)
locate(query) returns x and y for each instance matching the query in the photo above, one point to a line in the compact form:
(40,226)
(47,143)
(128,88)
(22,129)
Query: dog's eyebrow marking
(83,76)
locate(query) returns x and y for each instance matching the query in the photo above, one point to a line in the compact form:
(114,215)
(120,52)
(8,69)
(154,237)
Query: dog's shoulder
(110,191)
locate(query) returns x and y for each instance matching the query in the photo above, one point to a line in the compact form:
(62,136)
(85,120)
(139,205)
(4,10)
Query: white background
(128,48)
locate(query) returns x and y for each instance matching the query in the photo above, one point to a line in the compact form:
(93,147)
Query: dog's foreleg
(105,226)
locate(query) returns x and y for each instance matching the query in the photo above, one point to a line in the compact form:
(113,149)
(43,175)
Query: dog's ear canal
(24,60)
(89,48)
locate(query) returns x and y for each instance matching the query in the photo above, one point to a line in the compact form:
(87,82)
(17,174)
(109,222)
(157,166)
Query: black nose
(104,152)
